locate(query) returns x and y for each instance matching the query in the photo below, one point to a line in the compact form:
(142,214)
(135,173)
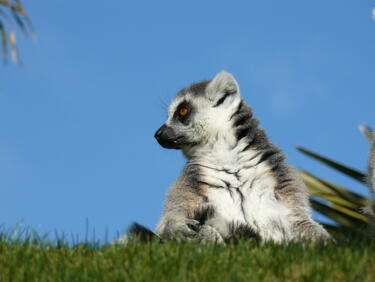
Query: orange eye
(183,112)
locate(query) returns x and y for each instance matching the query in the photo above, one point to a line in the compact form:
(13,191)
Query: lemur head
(201,113)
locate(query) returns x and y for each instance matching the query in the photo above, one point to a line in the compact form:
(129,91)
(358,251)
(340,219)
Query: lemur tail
(143,233)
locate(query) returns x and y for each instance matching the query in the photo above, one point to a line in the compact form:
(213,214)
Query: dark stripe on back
(246,126)
(267,155)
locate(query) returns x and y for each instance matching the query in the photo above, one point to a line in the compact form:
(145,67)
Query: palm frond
(341,218)
(12,14)
(355,174)
(323,189)
(4,42)
(338,203)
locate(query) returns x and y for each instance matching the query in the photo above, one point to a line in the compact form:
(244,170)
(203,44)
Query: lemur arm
(180,205)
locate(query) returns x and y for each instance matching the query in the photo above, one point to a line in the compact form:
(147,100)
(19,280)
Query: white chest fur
(242,193)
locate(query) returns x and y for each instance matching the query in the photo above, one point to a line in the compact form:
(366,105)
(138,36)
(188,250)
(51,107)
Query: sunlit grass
(37,258)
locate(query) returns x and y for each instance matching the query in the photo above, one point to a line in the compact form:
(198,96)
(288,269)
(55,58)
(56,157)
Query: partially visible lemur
(371,181)
(234,178)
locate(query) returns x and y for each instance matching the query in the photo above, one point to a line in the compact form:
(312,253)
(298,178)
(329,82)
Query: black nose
(159,132)
(167,138)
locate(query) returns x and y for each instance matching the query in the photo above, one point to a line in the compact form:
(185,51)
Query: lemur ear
(223,83)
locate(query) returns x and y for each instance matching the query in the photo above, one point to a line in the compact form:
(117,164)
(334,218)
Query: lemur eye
(183,112)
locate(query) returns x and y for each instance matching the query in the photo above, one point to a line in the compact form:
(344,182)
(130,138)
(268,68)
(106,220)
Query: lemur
(371,183)
(235,179)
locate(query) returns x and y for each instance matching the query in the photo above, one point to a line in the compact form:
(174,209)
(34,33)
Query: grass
(41,260)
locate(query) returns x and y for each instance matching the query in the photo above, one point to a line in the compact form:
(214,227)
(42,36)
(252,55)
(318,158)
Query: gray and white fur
(235,179)
(371,182)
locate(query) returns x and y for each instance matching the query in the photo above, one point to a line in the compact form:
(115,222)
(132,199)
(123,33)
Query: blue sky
(77,123)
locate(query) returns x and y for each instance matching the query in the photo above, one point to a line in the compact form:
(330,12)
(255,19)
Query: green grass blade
(355,174)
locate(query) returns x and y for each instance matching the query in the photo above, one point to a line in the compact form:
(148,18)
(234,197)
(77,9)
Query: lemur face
(200,113)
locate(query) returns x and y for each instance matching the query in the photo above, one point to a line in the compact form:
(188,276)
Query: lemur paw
(179,228)
(208,234)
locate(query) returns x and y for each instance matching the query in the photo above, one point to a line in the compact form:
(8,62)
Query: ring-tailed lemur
(234,178)
(371,181)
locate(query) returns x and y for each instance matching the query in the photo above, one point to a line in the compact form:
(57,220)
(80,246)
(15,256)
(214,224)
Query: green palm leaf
(334,201)
(12,13)
(341,218)
(342,196)
(355,174)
